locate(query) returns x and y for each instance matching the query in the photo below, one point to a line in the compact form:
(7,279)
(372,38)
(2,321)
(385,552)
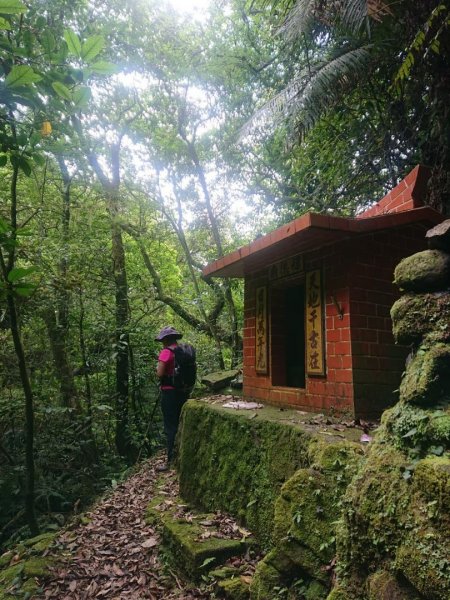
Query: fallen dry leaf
(150,543)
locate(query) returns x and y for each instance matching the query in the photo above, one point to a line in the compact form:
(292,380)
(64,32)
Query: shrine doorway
(288,336)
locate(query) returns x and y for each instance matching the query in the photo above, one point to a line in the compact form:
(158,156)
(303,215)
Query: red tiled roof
(312,231)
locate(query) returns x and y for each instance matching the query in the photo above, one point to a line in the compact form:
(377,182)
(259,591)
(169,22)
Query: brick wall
(406,195)
(377,361)
(363,364)
(334,392)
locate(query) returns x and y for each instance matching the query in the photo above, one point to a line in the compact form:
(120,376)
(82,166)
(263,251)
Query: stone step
(195,541)
(234,588)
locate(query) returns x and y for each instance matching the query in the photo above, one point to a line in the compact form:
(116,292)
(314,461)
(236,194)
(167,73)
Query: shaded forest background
(137,145)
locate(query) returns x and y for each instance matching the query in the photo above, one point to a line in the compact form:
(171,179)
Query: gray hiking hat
(166,332)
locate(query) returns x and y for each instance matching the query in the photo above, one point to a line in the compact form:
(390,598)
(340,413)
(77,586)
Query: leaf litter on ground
(116,554)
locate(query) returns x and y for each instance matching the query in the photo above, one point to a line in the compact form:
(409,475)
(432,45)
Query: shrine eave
(309,232)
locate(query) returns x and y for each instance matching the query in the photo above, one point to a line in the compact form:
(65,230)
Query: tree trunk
(6,268)
(236,347)
(123,441)
(29,418)
(63,370)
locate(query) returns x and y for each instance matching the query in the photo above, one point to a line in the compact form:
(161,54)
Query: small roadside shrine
(318,292)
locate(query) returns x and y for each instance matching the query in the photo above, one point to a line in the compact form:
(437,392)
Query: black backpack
(185,367)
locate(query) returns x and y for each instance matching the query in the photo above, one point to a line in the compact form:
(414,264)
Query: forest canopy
(138,144)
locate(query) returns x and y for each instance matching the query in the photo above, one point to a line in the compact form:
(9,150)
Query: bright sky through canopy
(189,6)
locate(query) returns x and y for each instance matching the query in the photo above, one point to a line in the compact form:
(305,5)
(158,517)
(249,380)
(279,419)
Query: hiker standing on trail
(177,373)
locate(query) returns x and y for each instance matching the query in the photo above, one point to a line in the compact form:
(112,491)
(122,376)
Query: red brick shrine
(318,292)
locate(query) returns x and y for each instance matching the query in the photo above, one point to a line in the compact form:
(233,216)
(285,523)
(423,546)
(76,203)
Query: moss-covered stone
(266,582)
(432,481)
(41,542)
(375,509)
(416,315)
(5,559)
(193,555)
(192,543)
(338,594)
(235,463)
(424,271)
(234,588)
(383,585)
(427,378)
(219,379)
(423,559)
(19,579)
(232,463)
(303,513)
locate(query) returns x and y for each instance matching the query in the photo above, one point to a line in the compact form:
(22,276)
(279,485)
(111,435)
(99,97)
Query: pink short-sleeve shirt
(167,357)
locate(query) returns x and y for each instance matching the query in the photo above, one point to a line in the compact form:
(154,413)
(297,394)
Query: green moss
(375,509)
(424,271)
(184,540)
(338,594)
(304,511)
(316,591)
(416,315)
(265,582)
(424,561)
(416,431)
(234,589)
(41,542)
(193,555)
(427,378)
(238,465)
(432,481)
(5,559)
(385,586)
(20,577)
(337,457)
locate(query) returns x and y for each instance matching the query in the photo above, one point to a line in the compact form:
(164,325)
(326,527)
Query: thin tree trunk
(6,268)
(236,338)
(29,418)
(111,187)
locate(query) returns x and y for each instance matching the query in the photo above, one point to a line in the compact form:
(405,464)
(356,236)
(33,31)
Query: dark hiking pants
(172,402)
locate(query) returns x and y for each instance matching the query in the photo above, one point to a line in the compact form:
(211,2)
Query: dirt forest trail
(115,554)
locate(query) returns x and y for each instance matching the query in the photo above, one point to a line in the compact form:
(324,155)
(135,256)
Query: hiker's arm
(160,369)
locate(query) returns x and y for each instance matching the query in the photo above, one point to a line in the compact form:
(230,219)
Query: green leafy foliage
(21,75)
(12,7)
(92,47)
(73,42)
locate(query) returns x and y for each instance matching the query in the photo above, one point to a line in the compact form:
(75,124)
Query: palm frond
(312,92)
(298,20)
(352,15)
(327,85)
(357,12)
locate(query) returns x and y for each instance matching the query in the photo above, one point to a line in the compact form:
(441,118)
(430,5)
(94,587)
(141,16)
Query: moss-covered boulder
(416,315)
(427,379)
(425,271)
(383,585)
(395,519)
(306,513)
